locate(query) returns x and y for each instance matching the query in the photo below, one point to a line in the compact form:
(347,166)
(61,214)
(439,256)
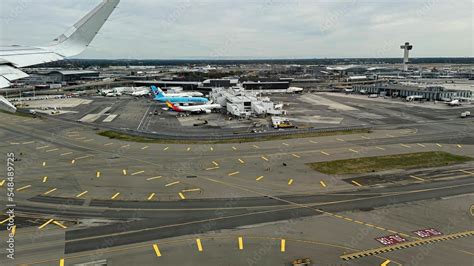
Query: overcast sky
(162,29)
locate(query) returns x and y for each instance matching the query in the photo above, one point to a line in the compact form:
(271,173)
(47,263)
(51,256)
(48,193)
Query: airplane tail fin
(172,106)
(77,38)
(157,92)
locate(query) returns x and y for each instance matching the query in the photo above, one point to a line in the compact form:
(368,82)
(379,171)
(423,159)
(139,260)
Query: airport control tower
(407,48)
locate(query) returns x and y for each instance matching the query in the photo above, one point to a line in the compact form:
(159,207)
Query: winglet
(76,39)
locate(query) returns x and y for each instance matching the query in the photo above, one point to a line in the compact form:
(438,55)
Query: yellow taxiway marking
(385,263)
(73,161)
(459,146)
(467,172)
(199,244)
(144,148)
(356,183)
(42,147)
(64,154)
(59,224)
(417,178)
(2,182)
(234,148)
(339,139)
(354,151)
(259,178)
(290,182)
(325,153)
(380,148)
(295,155)
(286,144)
(364,137)
(283,245)
(61,262)
(421,145)
(56,149)
(314,142)
(256,147)
(45,179)
(264,158)
(241,243)
(404,145)
(181,195)
(234,173)
(88,140)
(81,138)
(44,164)
(191,190)
(23,188)
(153,178)
(15,143)
(157,250)
(241,161)
(139,172)
(167,148)
(45,224)
(28,142)
(152,195)
(97,174)
(439,145)
(124,171)
(188,149)
(172,184)
(81,194)
(115,195)
(13,230)
(322,184)
(215,163)
(125,146)
(109,144)
(211,149)
(4,221)
(212,168)
(50,191)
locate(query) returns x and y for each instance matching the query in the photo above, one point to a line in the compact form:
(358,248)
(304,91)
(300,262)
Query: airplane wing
(71,43)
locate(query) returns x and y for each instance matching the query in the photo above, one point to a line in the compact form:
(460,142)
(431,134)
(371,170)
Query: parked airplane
(197,109)
(454,103)
(160,96)
(183,94)
(141,93)
(71,43)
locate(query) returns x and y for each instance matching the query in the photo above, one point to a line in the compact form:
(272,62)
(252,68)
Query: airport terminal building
(431,93)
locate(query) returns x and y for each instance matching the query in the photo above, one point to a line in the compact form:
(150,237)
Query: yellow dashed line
(73,161)
(81,194)
(44,164)
(364,137)
(283,245)
(286,144)
(15,143)
(45,179)
(144,148)
(421,145)
(211,148)
(4,221)
(356,183)
(467,172)
(188,149)
(115,195)
(241,243)
(109,144)
(339,139)
(439,145)
(215,163)
(67,153)
(28,142)
(167,148)
(212,168)
(385,263)
(241,161)
(157,250)
(88,140)
(259,178)
(83,157)
(322,184)
(42,147)
(153,178)
(191,190)
(151,196)
(370,225)
(296,155)
(234,173)
(172,184)
(358,222)
(50,191)
(354,151)
(97,174)
(124,172)
(264,158)
(125,146)
(13,230)
(348,219)
(2,182)
(459,146)
(199,244)
(404,145)
(56,149)
(139,172)
(380,148)
(234,148)
(181,195)
(256,147)
(290,182)
(381,228)
(23,188)
(314,142)
(325,153)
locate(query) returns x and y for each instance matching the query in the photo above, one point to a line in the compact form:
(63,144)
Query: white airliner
(196,109)
(182,94)
(454,103)
(71,43)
